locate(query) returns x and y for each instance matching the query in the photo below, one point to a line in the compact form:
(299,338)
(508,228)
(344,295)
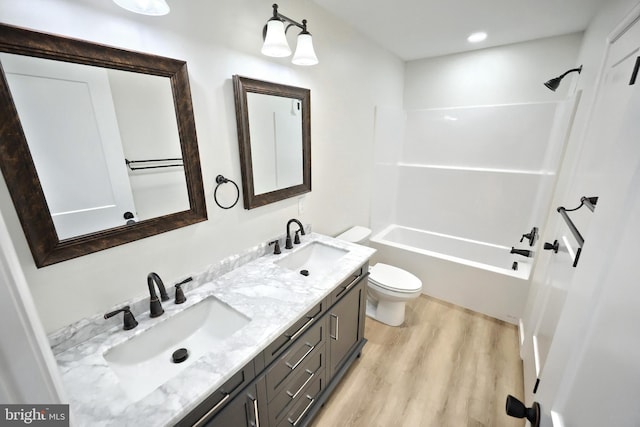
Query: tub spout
(523,252)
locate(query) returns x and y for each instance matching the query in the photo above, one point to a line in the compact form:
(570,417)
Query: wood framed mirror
(274,136)
(37,145)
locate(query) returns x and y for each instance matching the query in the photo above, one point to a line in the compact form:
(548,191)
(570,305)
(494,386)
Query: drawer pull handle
(294,423)
(212,410)
(255,411)
(302,329)
(311,347)
(311,375)
(335,337)
(353,282)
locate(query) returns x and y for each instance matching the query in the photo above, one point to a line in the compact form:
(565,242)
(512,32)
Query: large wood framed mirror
(98,144)
(274,135)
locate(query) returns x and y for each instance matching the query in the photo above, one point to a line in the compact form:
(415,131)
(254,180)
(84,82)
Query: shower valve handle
(552,246)
(530,236)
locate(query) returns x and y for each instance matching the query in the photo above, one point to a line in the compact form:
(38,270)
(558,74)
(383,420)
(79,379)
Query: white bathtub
(471,274)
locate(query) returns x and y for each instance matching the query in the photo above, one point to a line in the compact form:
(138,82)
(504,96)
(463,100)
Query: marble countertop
(271,296)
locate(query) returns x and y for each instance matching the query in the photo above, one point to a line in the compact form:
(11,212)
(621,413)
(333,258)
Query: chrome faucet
(155,307)
(288,244)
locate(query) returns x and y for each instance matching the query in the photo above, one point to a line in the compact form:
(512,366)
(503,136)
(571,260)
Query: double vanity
(266,343)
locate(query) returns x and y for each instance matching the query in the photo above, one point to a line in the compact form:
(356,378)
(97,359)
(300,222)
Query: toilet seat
(394,279)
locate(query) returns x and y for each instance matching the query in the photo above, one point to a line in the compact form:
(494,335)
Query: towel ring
(222,180)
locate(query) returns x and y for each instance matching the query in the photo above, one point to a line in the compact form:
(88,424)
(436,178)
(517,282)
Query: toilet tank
(357,234)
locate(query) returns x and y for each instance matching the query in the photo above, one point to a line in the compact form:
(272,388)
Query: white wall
(508,74)
(219,39)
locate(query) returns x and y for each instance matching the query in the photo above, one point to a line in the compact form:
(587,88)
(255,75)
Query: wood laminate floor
(444,367)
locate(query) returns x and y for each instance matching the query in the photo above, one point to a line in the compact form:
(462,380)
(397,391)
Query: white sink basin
(145,362)
(316,258)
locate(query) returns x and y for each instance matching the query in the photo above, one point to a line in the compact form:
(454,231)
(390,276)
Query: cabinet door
(218,400)
(346,325)
(242,411)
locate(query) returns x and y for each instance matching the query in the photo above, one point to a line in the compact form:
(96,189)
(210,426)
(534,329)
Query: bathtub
(471,274)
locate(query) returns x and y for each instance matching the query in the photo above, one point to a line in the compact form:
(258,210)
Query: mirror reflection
(98,138)
(275,125)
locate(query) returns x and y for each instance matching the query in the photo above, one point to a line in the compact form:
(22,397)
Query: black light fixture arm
(291,22)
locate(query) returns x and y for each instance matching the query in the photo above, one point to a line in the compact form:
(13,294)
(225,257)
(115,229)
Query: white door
(549,292)
(592,371)
(67,114)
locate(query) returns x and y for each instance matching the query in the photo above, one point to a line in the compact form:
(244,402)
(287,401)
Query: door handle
(336,336)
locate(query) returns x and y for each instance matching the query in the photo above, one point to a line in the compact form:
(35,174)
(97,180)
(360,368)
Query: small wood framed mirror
(274,135)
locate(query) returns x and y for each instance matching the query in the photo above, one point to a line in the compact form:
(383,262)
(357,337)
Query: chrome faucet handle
(130,322)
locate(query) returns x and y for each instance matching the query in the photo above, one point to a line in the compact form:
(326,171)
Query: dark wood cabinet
(290,380)
(346,326)
(241,411)
(219,399)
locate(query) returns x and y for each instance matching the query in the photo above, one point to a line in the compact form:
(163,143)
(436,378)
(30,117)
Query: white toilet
(389,288)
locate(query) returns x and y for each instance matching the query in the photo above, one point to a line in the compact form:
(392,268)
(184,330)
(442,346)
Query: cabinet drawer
(218,399)
(296,385)
(348,283)
(290,335)
(303,404)
(295,356)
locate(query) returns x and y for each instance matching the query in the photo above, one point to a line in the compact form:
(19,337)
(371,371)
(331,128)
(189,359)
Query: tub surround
(272,297)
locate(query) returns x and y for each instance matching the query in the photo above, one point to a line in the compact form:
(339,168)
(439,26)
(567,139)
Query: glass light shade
(305,55)
(144,7)
(275,42)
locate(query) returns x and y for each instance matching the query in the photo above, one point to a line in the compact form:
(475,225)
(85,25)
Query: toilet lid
(394,278)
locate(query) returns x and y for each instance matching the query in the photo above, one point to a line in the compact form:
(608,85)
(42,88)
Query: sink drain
(304,272)
(180,355)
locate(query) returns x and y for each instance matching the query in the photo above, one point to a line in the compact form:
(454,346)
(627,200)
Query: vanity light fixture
(477,37)
(144,7)
(555,82)
(275,39)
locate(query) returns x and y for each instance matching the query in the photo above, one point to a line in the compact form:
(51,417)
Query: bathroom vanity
(294,338)
(289,381)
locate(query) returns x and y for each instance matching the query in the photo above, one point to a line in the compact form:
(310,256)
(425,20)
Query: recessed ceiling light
(477,37)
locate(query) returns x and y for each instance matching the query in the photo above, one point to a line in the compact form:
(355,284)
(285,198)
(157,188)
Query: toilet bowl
(388,288)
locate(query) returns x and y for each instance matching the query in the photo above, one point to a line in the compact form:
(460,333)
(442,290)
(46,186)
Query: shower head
(555,82)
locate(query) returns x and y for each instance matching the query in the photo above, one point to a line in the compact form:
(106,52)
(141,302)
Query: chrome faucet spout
(288,244)
(155,307)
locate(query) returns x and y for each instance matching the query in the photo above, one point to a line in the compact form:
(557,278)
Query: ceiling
(414,29)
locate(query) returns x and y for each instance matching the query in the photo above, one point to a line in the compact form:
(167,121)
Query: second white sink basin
(145,362)
(315,258)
